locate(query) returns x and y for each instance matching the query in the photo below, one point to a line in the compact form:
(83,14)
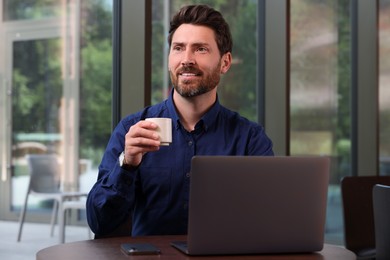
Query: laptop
(256,205)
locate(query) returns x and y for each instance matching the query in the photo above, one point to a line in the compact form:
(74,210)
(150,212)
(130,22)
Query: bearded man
(140,180)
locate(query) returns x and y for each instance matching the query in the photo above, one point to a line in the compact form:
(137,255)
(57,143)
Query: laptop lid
(257,205)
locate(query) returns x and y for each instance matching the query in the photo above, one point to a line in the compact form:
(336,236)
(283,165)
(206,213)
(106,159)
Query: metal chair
(68,205)
(45,183)
(381,202)
(359,231)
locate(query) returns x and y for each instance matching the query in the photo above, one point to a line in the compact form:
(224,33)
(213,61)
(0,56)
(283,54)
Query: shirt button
(188,174)
(189,143)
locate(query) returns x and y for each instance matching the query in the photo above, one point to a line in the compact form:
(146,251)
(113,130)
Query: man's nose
(188,59)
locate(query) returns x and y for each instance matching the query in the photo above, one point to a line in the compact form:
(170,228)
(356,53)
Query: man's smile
(188,76)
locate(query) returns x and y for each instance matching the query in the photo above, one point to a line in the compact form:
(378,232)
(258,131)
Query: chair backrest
(45,176)
(381,202)
(359,231)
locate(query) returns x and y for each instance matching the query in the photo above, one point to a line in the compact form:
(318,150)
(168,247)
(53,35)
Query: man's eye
(202,49)
(177,48)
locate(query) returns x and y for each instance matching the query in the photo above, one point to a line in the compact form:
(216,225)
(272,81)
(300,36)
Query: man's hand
(140,139)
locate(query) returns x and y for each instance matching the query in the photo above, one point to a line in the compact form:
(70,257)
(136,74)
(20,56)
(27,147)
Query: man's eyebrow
(191,44)
(200,44)
(177,43)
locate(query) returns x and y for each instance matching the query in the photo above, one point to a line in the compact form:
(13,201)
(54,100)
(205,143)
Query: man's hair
(206,16)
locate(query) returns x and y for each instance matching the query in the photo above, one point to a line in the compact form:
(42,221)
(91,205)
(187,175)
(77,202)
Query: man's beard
(193,88)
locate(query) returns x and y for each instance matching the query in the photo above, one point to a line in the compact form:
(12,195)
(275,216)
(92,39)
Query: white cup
(164,129)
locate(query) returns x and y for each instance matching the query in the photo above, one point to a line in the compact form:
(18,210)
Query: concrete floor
(34,238)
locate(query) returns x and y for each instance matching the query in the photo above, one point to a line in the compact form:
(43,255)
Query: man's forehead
(189,33)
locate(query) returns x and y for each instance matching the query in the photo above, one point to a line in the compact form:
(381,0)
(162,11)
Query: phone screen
(140,249)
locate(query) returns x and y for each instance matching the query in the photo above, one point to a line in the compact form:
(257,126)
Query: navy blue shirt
(156,193)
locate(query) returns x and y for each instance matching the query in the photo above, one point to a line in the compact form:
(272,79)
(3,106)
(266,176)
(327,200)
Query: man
(140,179)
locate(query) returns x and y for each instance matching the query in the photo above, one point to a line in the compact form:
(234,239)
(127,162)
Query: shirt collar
(172,111)
(208,119)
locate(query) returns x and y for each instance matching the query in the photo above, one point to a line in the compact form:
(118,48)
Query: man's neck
(192,109)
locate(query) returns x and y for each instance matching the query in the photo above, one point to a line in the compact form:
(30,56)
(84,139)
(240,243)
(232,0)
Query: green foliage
(344,70)
(22,9)
(238,89)
(96,75)
(158,66)
(37,86)
(23,106)
(95,95)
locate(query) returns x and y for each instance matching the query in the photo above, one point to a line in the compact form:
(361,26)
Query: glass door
(36,107)
(41,82)
(55,72)
(320,70)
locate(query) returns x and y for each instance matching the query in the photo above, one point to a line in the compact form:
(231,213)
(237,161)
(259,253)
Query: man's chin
(190,93)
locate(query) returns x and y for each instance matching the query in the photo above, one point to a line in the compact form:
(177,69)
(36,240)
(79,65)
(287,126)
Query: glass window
(36,106)
(320,92)
(237,89)
(58,76)
(384,86)
(95,86)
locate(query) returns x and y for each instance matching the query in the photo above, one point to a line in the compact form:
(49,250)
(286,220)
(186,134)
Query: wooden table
(109,248)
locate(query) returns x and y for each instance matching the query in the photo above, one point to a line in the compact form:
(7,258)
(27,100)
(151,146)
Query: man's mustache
(189,70)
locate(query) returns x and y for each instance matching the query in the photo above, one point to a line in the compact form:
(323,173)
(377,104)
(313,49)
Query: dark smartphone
(140,249)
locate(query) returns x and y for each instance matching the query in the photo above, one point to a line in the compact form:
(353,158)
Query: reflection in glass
(384,86)
(320,91)
(30,9)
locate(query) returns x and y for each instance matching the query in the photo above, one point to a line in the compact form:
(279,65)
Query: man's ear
(226,62)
